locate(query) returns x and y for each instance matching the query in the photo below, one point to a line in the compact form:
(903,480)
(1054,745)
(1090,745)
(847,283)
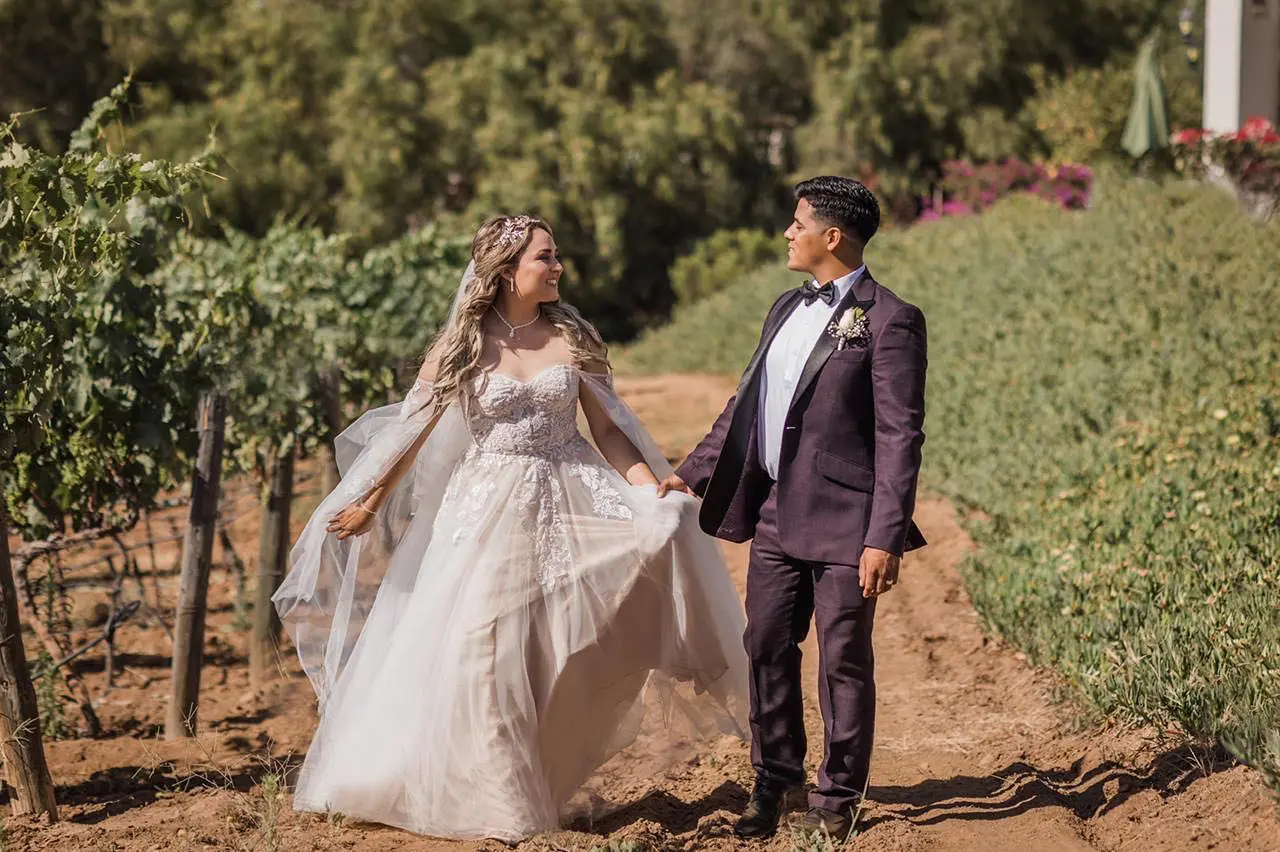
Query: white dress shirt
(784,362)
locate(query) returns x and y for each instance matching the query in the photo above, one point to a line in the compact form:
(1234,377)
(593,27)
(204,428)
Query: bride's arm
(358,517)
(614,444)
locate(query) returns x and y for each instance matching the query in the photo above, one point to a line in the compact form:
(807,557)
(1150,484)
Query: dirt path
(972,750)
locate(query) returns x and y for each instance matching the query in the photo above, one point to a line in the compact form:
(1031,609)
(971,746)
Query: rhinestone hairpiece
(513,231)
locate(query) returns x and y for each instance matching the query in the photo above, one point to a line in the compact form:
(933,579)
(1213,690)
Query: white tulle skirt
(555,612)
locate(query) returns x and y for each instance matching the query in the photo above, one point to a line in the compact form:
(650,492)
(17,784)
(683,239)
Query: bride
(524,604)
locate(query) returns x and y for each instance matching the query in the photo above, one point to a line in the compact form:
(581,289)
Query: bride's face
(537,273)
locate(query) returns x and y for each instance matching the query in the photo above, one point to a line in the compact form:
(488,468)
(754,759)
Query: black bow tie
(827,293)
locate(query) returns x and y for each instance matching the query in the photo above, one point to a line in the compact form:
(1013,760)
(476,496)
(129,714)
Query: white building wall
(1242,62)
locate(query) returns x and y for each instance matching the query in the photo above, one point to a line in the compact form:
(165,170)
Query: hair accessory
(514,230)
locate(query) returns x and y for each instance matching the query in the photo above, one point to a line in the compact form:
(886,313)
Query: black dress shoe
(835,825)
(763,811)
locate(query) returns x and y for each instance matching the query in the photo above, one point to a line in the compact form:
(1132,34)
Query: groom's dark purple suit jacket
(850,447)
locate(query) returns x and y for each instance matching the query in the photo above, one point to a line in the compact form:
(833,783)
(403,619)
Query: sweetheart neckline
(532,379)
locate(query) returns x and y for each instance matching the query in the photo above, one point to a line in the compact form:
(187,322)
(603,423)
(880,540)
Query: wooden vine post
(197,558)
(330,387)
(273,558)
(21,743)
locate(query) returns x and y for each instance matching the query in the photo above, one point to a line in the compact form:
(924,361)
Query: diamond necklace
(514,328)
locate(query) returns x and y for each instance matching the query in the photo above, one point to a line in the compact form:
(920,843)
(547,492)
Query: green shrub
(720,260)
(1080,117)
(1104,391)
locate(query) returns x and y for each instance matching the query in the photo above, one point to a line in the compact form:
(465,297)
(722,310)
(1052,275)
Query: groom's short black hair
(843,202)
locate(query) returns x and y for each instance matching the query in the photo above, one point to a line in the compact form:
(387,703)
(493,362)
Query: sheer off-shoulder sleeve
(332,584)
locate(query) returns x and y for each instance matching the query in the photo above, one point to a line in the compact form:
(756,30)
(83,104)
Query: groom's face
(807,240)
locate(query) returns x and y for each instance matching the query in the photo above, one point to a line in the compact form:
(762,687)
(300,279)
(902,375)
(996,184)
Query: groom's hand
(673,483)
(878,571)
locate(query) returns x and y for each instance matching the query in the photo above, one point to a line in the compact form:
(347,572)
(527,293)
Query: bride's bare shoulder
(430,368)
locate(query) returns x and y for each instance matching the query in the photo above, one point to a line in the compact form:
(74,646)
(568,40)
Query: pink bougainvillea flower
(1256,127)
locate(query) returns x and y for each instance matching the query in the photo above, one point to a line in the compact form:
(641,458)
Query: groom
(816,459)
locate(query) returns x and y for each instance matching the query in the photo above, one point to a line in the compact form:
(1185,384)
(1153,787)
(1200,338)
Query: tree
(54,64)
(629,162)
(378,118)
(261,74)
(68,223)
(909,86)
(296,275)
(385,139)
(638,128)
(208,291)
(96,356)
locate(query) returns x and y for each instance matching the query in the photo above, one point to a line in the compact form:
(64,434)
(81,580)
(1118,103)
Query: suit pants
(783,594)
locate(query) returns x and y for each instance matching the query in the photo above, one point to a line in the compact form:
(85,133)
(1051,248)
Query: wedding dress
(517,617)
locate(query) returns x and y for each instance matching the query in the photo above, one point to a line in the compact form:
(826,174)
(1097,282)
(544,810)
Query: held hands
(353,520)
(877,571)
(673,483)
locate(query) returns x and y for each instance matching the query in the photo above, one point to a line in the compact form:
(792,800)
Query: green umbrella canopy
(1148,127)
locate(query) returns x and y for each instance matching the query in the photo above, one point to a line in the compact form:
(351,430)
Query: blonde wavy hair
(456,351)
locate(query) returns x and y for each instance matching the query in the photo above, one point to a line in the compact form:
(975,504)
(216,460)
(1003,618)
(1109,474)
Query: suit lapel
(860,295)
(733,452)
(780,317)
(748,398)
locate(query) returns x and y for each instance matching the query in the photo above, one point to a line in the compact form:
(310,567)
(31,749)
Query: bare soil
(974,750)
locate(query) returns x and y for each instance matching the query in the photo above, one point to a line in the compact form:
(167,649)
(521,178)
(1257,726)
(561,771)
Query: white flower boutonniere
(851,329)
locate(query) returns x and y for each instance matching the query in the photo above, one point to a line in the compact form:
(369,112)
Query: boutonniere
(851,329)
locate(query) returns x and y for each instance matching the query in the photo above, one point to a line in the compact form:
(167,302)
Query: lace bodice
(533,418)
(529,459)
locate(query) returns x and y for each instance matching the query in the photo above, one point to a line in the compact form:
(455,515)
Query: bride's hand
(353,520)
(673,483)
